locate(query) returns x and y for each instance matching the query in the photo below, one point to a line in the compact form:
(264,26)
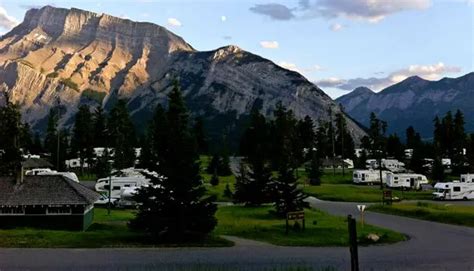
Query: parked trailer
(406,180)
(454,191)
(368,176)
(467,178)
(119,183)
(48,172)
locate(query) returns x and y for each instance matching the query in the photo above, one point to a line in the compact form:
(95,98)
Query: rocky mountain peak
(81,57)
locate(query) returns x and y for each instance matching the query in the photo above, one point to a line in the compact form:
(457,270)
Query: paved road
(433,246)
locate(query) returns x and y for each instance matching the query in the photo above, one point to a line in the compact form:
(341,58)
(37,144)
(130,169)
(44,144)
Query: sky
(338,44)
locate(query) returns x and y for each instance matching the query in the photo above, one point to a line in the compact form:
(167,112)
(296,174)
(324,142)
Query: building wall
(77,222)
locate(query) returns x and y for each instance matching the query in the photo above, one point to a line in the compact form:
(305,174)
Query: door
(412,182)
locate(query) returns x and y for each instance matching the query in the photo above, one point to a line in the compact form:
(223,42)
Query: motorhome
(46,171)
(368,176)
(467,178)
(126,197)
(454,191)
(406,180)
(389,164)
(118,183)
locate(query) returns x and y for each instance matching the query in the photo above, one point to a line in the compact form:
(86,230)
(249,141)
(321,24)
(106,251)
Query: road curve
(432,246)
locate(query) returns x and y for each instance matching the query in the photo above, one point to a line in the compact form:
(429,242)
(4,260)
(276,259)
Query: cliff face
(414,102)
(75,56)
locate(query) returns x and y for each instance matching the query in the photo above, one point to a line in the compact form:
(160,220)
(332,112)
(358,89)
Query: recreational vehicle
(126,197)
(406,180)
(390,164)
(48,172)
(119,183)
(467,178)
(368,176)
(454,191)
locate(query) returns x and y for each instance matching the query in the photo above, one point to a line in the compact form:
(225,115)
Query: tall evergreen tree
(200,134)
(175,206)
(53,140)
(10,132)
(377,141)
(437,172)
(122,136)
(99,123)
(314,170)
(395,147)
(286,194)
(82,136)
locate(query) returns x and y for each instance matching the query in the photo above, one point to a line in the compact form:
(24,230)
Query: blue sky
(339,44)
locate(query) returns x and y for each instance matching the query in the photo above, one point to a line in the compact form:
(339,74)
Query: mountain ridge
(75,56)
(414,101)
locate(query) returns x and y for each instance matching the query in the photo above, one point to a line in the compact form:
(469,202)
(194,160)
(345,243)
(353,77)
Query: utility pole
(332,141)
(58,115)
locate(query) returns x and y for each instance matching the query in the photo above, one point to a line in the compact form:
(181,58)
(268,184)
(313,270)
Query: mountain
(72,57)
(414,102)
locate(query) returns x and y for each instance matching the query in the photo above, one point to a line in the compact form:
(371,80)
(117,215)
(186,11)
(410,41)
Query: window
(463,180)
(127,185)
(456,188)
(61,210)
(12,210)
(116,188)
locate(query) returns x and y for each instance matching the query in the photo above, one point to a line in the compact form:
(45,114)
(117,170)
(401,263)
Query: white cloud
(269,44)
(428,72)
(174,22)
(223,18)
(372,11)
(302,70)
(336,27)
(7,22)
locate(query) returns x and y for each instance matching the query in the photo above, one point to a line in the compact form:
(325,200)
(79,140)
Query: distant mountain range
(414,102)
(80,57)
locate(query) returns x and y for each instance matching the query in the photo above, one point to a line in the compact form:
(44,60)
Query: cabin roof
(44,190)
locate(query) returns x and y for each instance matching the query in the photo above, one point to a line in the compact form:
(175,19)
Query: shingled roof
(44,190)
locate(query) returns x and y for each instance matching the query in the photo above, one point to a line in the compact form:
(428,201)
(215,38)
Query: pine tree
(285,192)
(470,152)
(51,139)
(100,133)
(377,140)
(175,207)
(437,172)
(201,138)
(227,192)
(122,136)
(10,132)
(223,168)
(82,138)
(37,147)
(314,170)
(213,164)
(395,147)
(214,179)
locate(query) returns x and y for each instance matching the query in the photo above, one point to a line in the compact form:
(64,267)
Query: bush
(70,84)
(214,180)
(52,75)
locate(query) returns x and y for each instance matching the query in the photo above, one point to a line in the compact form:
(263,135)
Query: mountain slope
(415,102)
(75,57)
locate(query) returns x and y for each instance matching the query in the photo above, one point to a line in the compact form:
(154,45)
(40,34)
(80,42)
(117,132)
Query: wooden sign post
(295,216)
(387,197)
(353,243)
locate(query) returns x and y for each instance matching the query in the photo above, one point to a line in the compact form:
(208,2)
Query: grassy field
(321,229)
(359,193)
(444,213)
(106,231)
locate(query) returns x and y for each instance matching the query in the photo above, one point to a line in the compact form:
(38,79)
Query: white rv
(126,197)
(390,164)
(46,171)
(467,178)
(368,176)
(406,180)
(454,191)
(119,183)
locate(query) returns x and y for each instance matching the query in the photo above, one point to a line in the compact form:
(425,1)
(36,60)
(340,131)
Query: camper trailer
(390,164)
(454,191)
(467,178)
(46,171)
(406,181)
(126,197)
(119,183)
(368,176)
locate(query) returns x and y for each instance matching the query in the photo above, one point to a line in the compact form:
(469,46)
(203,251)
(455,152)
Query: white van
(454,191)
(406,180)
(368,176)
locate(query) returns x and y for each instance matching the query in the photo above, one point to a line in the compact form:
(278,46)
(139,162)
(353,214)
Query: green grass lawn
(322,229)
(360,193)
(444,213)
(218,190)
(106,231)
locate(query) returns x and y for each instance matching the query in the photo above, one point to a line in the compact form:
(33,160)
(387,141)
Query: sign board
(295,216)
(387,197)
(361,208)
